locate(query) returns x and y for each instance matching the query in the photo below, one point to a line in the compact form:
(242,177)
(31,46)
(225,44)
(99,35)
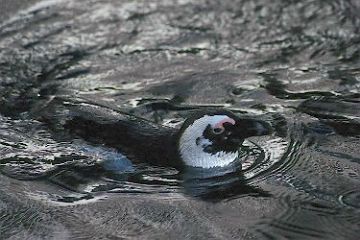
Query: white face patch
(192,144)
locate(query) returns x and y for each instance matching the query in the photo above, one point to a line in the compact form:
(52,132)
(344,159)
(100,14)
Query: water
(294,63)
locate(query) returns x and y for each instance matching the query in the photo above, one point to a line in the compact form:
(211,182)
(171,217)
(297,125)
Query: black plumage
(139,139)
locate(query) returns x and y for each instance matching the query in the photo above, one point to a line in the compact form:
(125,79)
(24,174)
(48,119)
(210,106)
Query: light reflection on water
(296,63)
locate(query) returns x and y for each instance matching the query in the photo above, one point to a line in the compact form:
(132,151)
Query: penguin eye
(218,130)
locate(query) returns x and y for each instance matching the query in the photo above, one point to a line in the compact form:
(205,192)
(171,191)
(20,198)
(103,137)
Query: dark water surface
(296,63)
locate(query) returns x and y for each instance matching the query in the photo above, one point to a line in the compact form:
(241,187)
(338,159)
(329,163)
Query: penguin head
(213,139)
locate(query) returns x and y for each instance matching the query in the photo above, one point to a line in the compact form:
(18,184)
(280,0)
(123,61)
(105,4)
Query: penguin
(212,138)
(208,138)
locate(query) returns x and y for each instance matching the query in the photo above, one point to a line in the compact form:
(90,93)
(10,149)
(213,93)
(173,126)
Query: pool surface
(294,63)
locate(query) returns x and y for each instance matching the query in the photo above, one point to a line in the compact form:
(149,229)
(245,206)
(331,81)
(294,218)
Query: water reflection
(219,184)
(295,60)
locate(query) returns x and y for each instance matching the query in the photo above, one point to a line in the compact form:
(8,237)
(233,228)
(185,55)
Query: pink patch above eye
(226,120)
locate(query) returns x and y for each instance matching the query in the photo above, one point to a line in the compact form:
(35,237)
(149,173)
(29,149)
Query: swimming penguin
(207,139)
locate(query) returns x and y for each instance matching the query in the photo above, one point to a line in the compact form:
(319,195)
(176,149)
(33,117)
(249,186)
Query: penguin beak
(247,127)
